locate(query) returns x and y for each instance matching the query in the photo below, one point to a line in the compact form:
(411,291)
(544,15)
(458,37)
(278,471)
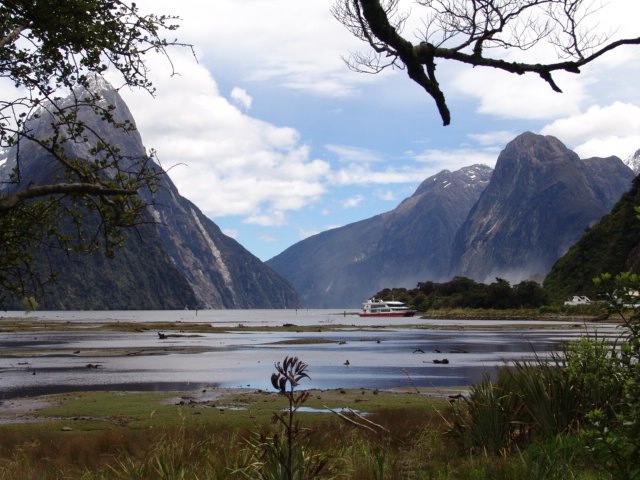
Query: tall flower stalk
(286,378)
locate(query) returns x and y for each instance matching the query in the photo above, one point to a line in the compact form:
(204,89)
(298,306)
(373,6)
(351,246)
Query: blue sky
(275,139)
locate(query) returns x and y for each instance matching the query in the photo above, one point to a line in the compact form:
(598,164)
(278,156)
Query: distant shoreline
(478,314)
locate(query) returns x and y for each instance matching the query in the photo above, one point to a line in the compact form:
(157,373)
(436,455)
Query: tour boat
(375,307)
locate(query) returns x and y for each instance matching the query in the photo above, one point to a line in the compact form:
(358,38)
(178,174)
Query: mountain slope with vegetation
(611,246)
(175,258)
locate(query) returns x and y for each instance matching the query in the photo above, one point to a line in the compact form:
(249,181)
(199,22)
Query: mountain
(612,245)
(540,200)
(633,162)
(344,266)
(176,258)
(513,224)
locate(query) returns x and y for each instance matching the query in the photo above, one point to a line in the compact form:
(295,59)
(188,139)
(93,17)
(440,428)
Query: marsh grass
(153,439)
(539,410)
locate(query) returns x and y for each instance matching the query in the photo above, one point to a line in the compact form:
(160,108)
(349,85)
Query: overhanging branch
(476,26)
(38,191)
(379,24)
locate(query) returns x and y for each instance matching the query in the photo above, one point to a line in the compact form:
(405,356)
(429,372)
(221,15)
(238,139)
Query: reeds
(541,398)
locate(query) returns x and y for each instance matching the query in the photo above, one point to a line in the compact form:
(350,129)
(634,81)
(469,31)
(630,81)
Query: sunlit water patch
(425,353)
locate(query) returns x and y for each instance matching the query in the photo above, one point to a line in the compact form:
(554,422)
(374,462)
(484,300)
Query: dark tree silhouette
(468,31)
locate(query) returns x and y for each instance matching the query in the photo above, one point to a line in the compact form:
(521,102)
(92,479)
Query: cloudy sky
(275,139)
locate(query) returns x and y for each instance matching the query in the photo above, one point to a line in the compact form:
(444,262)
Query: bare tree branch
(377,20)
(464,30)
(36,191)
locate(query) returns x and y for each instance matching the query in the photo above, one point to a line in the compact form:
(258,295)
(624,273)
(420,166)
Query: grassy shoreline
(208,433)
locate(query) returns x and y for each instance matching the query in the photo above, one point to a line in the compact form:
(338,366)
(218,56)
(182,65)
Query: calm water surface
(381,354)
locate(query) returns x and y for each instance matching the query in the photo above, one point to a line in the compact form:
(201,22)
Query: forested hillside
(611,245)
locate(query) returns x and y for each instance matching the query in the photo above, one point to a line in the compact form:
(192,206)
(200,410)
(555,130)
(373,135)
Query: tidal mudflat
(49,352)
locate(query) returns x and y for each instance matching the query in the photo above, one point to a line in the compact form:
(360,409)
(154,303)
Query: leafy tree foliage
(50,50)
(462,292)
(469,31)
(615,431)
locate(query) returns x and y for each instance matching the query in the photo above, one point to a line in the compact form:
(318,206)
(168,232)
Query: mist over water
(381,353)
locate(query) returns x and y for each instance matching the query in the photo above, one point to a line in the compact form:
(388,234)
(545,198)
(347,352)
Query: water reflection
(396,356)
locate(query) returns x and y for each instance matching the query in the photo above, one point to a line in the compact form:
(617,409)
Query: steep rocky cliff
(177,258)
(540,200)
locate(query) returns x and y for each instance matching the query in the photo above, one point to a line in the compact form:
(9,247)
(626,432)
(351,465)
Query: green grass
(107,435)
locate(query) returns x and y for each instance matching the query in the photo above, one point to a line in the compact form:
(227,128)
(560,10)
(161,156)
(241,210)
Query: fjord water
(381,353)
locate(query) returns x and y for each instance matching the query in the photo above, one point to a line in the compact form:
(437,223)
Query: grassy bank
(203,434)
(216,435)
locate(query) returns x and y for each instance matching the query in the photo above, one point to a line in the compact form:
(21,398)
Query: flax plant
(539,399)
(290,373)
(285,454)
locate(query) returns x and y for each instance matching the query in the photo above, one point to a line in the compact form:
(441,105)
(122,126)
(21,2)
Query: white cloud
(306,233)
(387,195)
(267,237)
(356,174)
(500,137)
(230,232)
(520,96)
(296,44)
(622,147)
(349,154)
(454,159)
(227,163)
(269,219)
(528,97)
(423,164)
(600,131)
(352,201)
(241,97)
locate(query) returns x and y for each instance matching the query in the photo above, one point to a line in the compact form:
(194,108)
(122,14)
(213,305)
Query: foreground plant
(538,400)
(285,455)
(615,439)
(588,394)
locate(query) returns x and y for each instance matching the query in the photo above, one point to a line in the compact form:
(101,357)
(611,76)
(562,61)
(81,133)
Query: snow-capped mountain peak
(633,162)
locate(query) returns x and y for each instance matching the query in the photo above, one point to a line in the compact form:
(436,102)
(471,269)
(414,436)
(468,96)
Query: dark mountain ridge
(343,266)
(176,258)
(513,224)
(539,201)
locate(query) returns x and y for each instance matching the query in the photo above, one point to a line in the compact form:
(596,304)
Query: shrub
(540,399)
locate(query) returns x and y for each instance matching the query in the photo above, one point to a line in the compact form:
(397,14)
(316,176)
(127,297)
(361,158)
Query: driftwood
(164,336)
